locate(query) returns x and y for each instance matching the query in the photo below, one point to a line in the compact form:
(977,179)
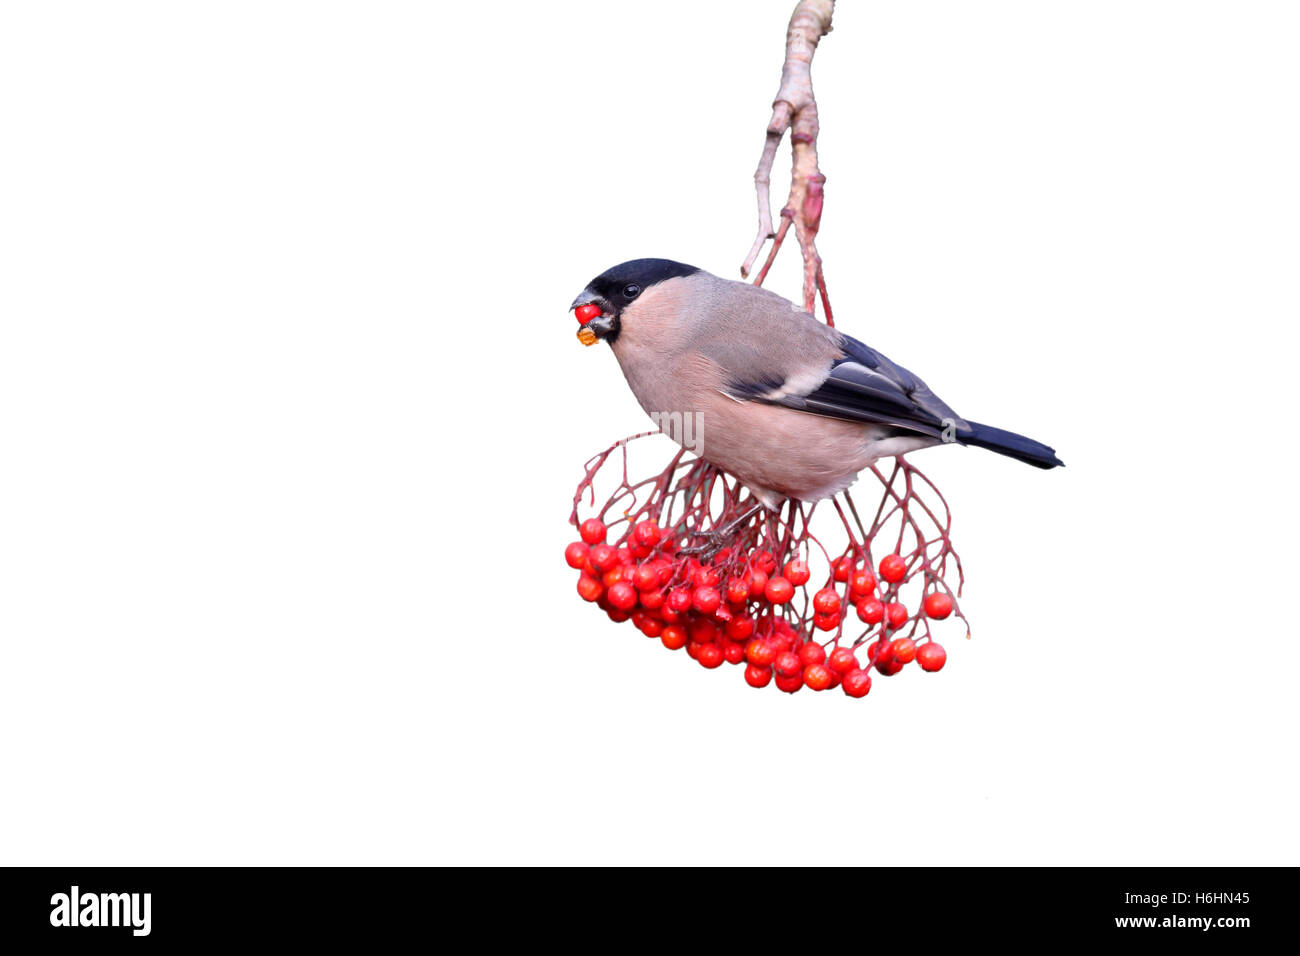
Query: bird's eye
(631,291)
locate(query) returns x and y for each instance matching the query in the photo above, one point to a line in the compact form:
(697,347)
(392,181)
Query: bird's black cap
(613,285)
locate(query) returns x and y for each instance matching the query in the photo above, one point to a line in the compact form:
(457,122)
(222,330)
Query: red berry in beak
(586,313)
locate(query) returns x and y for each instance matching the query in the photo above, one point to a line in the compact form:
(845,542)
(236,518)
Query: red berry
(882,656)
(652,600)
(904,650)
(706,599)
(646,534)
(938,605)
(679,600)
(931,656)
(645,578)
(790,685)
(862,583)
(788,664)
(812,653)
(796,572)
(586,313)
(737,591)
(778,590)
(757,585)
(575,555)
(756,676)
(651,627)
(589,589)
(764,561)
(817,676)
(710,655)
(592,531)
(893,568)
(702,630)
(673,637)
(842,568)
(617,615)
(732,652)
(826,601)
(871,611)
(603,557)
(897,614)
(857,683)
(705,578)
(740,628)
(826,622)
(623,596)
(760,653)
(842,660)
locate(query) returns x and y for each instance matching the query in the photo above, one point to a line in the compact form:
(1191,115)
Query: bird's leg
(795,109)
(718,538)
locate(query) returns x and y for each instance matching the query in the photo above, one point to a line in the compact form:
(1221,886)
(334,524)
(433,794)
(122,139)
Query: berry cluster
(743,606)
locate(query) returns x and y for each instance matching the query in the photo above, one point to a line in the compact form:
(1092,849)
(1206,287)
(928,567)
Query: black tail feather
(1010,444)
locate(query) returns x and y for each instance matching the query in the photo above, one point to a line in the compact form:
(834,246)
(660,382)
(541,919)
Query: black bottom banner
(367,907)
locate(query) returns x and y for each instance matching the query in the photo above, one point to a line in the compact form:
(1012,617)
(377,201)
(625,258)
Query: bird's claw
(715,542)
(719,538)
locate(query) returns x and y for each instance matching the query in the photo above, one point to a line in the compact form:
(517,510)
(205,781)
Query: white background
(291,411)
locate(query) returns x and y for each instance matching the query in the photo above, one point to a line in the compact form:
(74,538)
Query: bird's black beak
(595,323)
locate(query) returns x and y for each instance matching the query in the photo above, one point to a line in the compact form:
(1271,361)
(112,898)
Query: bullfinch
(788,405)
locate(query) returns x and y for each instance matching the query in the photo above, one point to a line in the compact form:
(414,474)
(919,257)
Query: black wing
(865,386)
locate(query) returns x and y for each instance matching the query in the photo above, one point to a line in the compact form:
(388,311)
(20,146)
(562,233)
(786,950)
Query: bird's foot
(718,538)
(714,541)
